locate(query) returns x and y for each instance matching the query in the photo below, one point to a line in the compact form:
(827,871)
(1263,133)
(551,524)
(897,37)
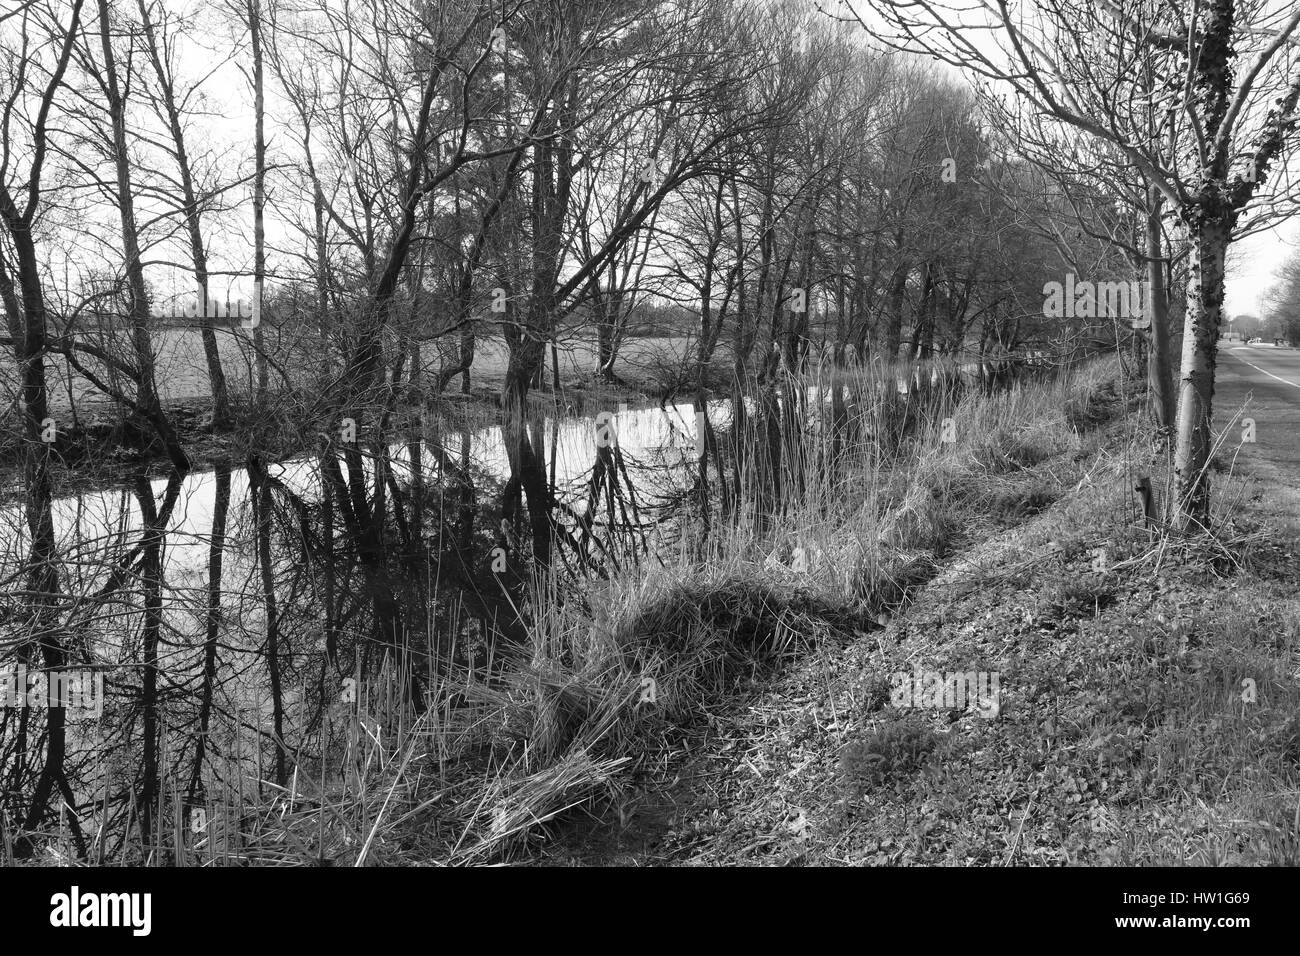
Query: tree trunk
(526,470)
(13,310)
(894,325)
(605,353)
(216,554)
(146,383)
(260,496)
(41,566)
(1205,288)
(151,566)
(259,197)
(216,374)
(1159,375)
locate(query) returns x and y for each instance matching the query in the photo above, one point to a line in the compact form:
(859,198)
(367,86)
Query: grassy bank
(736,701)
(1147,699)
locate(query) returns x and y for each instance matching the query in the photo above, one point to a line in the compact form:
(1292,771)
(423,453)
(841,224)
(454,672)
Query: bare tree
(1232,128)
(53,42)
(169,103)
(138,304)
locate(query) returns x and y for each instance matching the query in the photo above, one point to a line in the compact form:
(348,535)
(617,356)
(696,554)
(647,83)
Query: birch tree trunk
(1205,288)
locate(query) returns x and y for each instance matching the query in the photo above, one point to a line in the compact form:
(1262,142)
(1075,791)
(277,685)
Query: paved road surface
(1266,381)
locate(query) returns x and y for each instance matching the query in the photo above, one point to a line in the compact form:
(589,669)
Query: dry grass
(1147,702)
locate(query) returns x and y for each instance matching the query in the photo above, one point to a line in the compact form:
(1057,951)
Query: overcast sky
(1252,265)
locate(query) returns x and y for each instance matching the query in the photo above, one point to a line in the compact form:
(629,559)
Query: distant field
(183,375)
(639,358)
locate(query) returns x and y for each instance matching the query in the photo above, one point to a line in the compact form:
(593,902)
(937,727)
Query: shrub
(896,747)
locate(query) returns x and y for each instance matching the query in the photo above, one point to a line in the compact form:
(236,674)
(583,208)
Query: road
(1263,383)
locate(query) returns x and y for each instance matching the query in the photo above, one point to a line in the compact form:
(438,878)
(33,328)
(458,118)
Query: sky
(1252,265)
